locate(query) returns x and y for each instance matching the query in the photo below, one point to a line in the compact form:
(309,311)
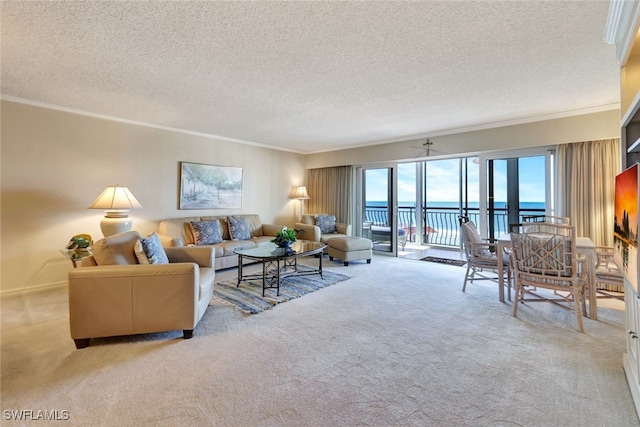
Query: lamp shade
(116,198)
(301,193)
(116,202)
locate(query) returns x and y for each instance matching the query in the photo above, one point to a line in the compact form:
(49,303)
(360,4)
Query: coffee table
(279,263)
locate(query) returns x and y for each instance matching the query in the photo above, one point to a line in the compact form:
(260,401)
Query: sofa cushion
(153,250)
(206,232)
(239,228)
(327,223)
(117,249)
(229,246)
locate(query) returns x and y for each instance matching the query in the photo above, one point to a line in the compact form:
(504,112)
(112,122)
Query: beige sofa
(309,231)
(111,294)
(176,233)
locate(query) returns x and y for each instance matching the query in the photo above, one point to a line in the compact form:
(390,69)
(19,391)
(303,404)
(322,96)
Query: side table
(76,257)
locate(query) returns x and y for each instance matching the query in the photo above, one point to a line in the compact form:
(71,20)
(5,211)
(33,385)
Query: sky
(443,181)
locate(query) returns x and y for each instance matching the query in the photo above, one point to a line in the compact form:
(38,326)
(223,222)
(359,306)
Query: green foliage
(285,235)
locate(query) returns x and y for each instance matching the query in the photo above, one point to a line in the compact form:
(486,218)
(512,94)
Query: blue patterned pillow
(206,232)
(327,223)
(239,228)
(152,248)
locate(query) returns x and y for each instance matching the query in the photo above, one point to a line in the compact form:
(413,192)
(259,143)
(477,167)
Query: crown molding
(138,123)
(623,23)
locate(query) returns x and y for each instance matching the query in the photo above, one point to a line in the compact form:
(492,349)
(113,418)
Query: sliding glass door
(450,191)
(377,214)
(517,186)
(410,205)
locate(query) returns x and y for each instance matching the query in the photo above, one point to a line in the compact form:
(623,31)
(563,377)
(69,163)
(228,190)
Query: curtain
(586,186)
(331,191)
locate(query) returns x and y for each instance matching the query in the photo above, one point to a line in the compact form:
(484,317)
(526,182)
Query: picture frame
(205,186)
(625,229)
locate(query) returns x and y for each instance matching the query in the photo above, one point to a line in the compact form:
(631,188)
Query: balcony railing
(440,225)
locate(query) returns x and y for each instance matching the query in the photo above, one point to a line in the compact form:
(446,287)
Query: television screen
(625,233)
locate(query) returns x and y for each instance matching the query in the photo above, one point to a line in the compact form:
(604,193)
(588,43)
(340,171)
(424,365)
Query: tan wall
(630,78)
(548,132)
(54,164)
(629,83)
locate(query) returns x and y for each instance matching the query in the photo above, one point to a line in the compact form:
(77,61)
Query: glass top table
(279,263)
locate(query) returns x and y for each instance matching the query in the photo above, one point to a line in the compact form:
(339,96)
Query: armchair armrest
(343,228)
(307,231)
(271,229)
(204,256)
(131,270)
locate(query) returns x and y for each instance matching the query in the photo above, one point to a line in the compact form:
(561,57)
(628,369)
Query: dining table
(584,246)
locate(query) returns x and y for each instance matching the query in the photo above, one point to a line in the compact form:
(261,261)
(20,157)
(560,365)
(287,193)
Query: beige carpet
(397,345)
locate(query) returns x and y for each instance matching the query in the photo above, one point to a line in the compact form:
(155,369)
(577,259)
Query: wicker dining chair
(482,262)
(542,259)
(609,278)
(546,218)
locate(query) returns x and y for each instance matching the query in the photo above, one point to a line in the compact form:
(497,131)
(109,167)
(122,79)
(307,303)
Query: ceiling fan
(427,147)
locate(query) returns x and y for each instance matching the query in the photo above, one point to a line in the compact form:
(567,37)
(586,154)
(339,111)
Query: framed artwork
(625,229)
(210,187)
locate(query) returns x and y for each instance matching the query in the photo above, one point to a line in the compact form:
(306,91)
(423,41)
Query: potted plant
(285,237)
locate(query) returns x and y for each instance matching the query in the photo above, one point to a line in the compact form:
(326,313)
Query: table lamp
(116,202)
(301,194)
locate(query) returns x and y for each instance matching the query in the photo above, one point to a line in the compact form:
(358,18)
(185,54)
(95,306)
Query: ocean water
(471,205)
(443,216)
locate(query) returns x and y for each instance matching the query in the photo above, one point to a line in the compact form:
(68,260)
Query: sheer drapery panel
(586,186)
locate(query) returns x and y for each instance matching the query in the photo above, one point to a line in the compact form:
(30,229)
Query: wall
(55,163)
(586,127)
(630,81)
(630,70)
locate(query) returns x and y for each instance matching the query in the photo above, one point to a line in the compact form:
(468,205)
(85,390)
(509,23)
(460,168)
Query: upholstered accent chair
(112,294)
(321,228)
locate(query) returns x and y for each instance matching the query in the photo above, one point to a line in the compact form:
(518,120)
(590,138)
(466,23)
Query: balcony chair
(382,234)
(482,262)
(542,259)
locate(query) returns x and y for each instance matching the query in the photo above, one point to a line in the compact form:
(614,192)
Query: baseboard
(36,288)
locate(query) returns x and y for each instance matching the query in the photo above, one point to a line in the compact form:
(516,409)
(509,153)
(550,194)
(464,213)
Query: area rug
(457,262)
(248,296)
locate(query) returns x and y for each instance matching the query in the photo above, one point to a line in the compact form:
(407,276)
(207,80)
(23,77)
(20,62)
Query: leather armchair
(307,230)
(126,298)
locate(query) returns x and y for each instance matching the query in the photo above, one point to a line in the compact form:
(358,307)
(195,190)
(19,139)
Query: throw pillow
(239,228)
(206,232)
(152,248)
(140,255)
(327,223)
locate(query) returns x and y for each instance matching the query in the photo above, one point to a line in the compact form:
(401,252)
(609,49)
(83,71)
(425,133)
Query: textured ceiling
(312,76)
